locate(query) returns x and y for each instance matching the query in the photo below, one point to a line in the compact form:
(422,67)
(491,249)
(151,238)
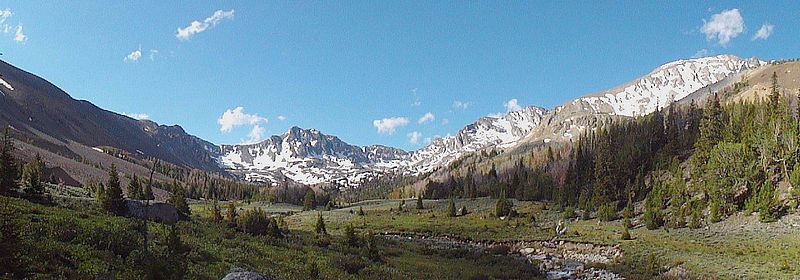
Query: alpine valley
(311,157)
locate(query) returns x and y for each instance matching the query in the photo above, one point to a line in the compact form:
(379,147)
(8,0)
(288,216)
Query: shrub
(626,235)
(607,212)
(568,213)
(257,222)
(351,264)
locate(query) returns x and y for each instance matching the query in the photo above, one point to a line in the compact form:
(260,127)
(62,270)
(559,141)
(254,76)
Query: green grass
(75,239)
(721,254)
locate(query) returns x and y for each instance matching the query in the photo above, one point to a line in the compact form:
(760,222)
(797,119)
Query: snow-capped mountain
(310,157)
(491,131)
(667,83)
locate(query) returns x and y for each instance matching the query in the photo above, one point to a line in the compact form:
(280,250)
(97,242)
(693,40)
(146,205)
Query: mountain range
(44,116)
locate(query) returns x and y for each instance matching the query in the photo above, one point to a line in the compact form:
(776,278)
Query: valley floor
(738,247)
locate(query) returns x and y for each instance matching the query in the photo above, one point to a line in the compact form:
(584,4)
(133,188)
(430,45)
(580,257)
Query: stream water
(558,259)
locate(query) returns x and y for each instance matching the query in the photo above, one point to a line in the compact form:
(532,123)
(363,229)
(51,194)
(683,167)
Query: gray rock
(156,211)
(246,275)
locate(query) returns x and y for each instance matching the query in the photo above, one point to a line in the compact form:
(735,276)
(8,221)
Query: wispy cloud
(458,104)
(414,137)
(255,135)
(445,121)
(153,54)
(702,53)
(512,105)
(281,118)
(20,36)
(415,101)
(7,27)
(426,118)
(389,125)
(133,56)
(764,32)
(197,26)
(724,26)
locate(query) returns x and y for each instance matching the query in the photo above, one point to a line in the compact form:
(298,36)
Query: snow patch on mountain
(667,83)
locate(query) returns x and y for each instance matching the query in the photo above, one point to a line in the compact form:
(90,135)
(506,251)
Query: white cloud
(460,104)
(723,26)
(153,54)
(445,121)
(255,135)
(416,101)
(281,118)
(764,32)
(389,125)
(197,27)
(133,56)
(4,15)
(237,117)
(138,116)
(702,53)
(512,105)
(426,118)
(19,36)
(414,137)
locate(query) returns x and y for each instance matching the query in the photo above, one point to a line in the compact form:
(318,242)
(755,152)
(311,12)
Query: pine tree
(11,245)
(774,95)
(114,201)
(451,209)
(309,201)
(626,235)
(216,214)
(420,206)
(350,235)
(32,177)
(231,214)
(319,228)
(135,188)
(8,165)
(710,126)
(178,198)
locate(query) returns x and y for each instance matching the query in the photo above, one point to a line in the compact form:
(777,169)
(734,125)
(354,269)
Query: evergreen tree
(114,202)
(231,214)
(11,243)
(504,206)
(135,188)
(32,177)
(710,129)
(319,228)
(774,95)
(626,235)
(350,235)
(8,165)
(451,209)
(420,206)
(216,213)
(309,201)
(147,192)
(178,198)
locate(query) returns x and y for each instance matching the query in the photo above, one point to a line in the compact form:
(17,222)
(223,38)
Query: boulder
(245,275)
(155,211)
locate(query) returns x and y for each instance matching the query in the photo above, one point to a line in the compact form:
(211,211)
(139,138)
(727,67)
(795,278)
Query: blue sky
(367,71)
